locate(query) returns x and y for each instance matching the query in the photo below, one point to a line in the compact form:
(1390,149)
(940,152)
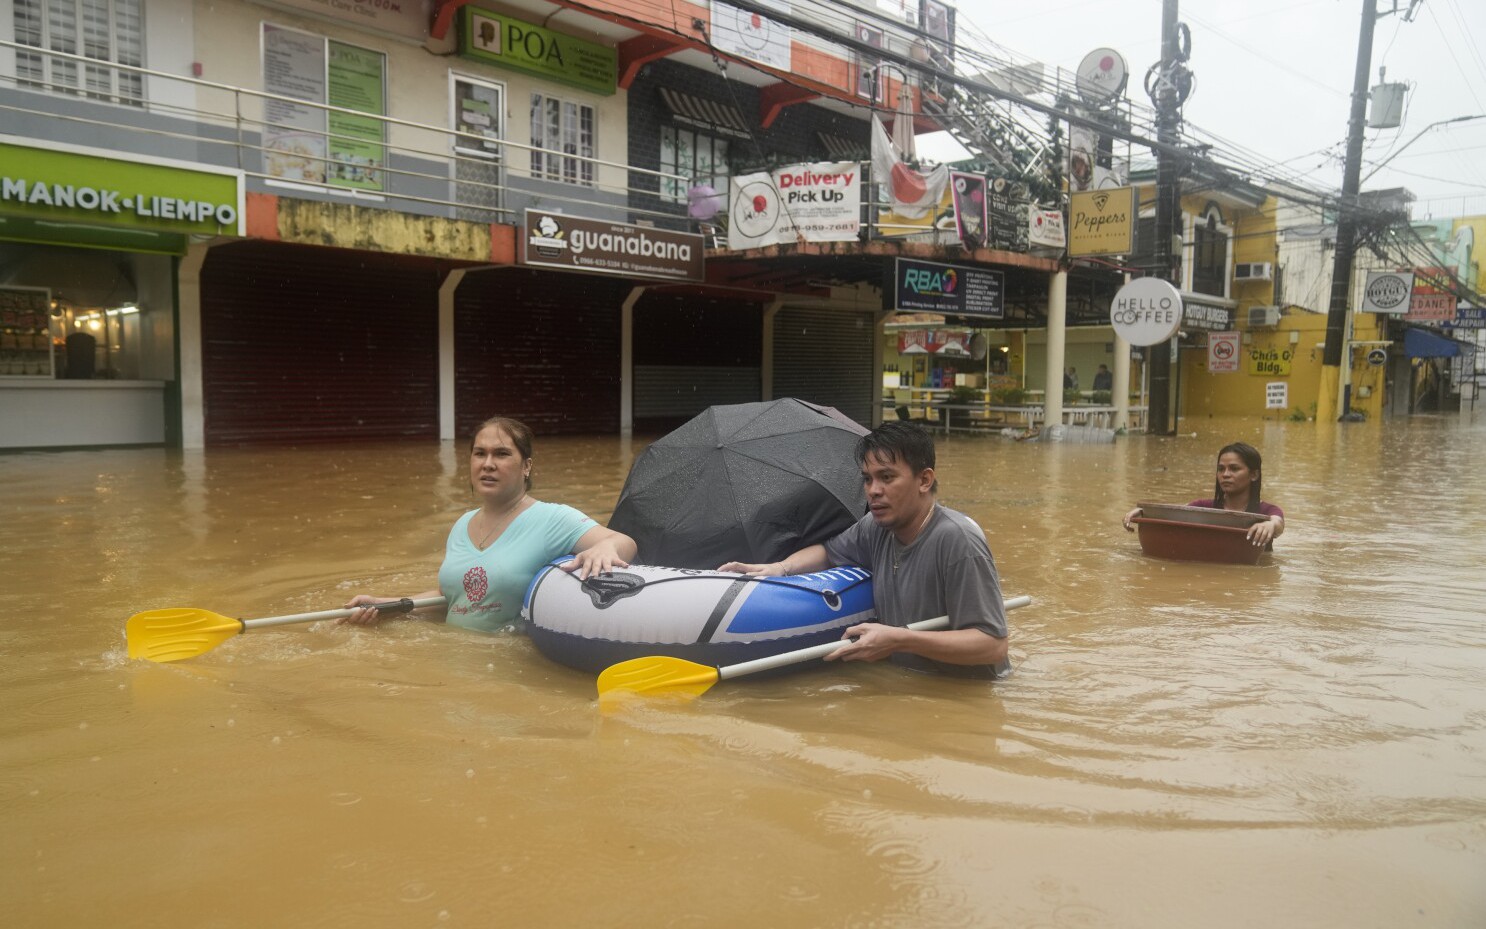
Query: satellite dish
(1102,76)
(978,346)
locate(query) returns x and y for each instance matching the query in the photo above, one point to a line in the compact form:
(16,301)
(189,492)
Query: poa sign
(1222,352)
(1146,311)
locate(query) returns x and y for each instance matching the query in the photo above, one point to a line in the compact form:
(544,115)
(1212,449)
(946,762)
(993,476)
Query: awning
(1205,311)
(841,148)
(1421,343)
(707,114)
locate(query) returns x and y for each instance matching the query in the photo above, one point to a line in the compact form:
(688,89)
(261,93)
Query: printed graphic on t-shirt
(475,584)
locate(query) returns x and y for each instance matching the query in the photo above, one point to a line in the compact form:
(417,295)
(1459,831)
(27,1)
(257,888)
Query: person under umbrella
(926,561)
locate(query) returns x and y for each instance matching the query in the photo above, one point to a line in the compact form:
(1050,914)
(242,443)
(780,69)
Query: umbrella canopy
(903,137)
(749,482)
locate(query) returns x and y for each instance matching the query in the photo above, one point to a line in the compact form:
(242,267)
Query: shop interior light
(94,324)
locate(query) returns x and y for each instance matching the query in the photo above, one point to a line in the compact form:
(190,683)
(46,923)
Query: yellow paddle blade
(658,674)
(170,635)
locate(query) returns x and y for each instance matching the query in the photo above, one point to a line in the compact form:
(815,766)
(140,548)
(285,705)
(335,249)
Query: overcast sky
(1275,77)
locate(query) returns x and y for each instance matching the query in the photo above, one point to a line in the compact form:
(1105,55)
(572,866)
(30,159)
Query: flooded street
(1301,743)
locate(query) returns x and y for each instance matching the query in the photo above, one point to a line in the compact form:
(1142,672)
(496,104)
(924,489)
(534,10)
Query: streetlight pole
(1397,151)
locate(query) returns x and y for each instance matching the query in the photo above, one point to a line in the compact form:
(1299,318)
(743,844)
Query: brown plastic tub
(1196,533)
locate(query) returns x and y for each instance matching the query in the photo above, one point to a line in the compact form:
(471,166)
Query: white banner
(819,202)
(751,36)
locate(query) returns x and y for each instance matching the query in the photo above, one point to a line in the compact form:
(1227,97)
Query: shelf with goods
(26,348)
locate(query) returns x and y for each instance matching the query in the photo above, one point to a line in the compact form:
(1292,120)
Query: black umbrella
(745,482)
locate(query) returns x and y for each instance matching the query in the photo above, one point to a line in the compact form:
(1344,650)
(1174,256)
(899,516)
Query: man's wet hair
(909,443)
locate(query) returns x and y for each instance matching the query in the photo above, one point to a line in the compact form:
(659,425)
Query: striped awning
(842,148)
(708,114)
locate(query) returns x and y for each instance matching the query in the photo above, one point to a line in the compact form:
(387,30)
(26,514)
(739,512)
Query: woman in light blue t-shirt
(494,551)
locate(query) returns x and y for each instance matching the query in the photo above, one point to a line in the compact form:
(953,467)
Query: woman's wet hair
(519,432)
(1249,455)
(899,441)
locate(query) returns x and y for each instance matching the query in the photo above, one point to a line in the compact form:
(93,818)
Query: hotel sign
(496,38)
(575,243)
(59,184)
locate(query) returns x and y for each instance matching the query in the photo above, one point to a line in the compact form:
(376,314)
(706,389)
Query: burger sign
(1387,292)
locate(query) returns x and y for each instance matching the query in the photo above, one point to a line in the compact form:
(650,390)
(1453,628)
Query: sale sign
(1222,352)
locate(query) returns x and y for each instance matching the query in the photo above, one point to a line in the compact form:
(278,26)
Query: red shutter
(542,347)
(305,344)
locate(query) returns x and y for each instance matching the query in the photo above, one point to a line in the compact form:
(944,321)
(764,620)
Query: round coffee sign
(1146,311)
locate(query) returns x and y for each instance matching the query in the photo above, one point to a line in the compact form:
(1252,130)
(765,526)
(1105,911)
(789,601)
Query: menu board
(1007,205)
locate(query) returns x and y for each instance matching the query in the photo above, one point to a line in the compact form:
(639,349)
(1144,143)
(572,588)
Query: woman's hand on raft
(1265,532)
(1130,526)
(608,551)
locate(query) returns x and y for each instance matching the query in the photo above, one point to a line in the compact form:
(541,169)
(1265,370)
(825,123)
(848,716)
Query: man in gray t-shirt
(926,561)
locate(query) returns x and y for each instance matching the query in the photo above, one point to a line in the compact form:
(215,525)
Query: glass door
(477,114)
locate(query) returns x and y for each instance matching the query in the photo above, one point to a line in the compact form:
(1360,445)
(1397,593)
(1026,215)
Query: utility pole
(1168,100)
(1338,319)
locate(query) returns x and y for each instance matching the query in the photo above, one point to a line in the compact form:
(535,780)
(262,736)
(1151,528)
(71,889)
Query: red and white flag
(913,194)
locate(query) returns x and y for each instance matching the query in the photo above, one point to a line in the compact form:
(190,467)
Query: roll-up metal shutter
(539,346)
(306,344)
(825,356)
(691,353)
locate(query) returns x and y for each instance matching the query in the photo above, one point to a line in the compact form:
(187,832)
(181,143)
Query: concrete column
(627,361)
(1057,315)
(766,363)
(188,338)
(1120,379)
(878,318)
(447,290)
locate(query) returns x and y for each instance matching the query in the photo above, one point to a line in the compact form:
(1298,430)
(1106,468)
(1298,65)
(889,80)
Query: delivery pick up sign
(1146,311)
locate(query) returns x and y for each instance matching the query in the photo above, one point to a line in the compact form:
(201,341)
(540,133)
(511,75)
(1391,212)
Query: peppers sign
(1146,311)
(1387,292)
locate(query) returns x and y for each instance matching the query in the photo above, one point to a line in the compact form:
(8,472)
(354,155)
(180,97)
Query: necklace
(501,522)
(900,549)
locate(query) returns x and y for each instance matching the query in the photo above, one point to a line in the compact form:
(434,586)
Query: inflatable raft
(708,617)
(1197,533)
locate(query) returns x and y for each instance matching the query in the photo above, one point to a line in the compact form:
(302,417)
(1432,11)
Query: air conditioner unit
(1267,316)
(1253,271)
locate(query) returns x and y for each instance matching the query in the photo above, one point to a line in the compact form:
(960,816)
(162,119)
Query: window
(700,157)
(564,140)
(1209,260)
(102,30)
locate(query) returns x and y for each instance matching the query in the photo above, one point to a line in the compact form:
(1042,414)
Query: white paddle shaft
(825,648)
(395,606)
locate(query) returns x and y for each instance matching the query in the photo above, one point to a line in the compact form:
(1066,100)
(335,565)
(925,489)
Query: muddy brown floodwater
(1297,744)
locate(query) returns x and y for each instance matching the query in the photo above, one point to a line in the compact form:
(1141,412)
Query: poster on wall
(355,81)
(304,141)
(1222,352)
(1007,205)
(819,202)
(751,35)
(970,208)
(293,133)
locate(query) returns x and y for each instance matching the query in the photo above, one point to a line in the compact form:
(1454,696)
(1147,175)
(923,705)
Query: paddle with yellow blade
(660,674)
(174,634)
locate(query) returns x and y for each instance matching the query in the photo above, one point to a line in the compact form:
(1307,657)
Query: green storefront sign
(499,39)
(118,203)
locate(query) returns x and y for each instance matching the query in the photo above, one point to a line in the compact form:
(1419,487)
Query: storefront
(88,246)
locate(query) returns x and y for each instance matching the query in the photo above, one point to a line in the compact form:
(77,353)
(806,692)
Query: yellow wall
(1243,393)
